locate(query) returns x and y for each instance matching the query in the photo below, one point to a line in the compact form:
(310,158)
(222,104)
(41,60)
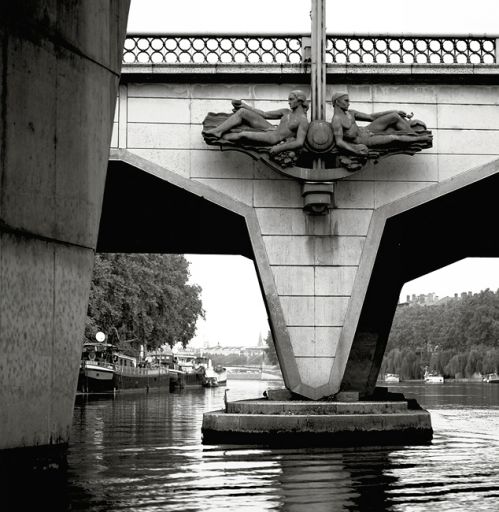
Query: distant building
(240,351)
(430,299)
(224,351)
(260,340)
(219,350)
(254,351)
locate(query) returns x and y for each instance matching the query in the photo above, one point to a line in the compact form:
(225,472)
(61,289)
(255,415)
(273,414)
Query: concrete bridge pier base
(324,423)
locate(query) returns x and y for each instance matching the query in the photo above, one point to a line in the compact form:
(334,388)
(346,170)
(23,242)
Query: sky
(235,314)
(290,16)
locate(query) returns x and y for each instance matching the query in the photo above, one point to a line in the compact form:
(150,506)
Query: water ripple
(144,453)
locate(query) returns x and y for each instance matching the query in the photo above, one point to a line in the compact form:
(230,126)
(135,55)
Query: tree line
(143,299)
(457,337)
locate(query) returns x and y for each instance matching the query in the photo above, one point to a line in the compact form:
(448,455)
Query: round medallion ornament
(320,136)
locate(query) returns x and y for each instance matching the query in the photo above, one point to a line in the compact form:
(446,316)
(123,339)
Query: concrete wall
(60,65)
(314,260)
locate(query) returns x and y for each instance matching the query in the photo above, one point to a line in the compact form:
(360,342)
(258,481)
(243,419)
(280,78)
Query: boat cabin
(192,363)
(97,352)
(124,361)
(161,360)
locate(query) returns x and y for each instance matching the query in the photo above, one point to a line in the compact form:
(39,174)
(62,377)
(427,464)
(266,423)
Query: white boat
(191,367)
(200,370)
(213,376)
(221,373)
(492,378)
(209,375)
(105,369)
(391,377)
(433,378)
(96,368)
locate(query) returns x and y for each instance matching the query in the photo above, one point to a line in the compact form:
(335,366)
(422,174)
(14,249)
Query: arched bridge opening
(144,213)
(420,234)
(148,209)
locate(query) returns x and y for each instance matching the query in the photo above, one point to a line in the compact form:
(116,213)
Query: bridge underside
(420,240)
(417,235)
(143,213)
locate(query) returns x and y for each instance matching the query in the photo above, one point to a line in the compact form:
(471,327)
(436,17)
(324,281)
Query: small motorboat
(210,375)
(96,368)
(392,377)
(221,374)
(433,378)
(210,382)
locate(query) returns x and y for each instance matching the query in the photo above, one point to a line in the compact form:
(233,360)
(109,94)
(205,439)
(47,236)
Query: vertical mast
(318,79)
(318,54)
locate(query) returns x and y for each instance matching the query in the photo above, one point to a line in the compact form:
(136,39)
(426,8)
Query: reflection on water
(144,452)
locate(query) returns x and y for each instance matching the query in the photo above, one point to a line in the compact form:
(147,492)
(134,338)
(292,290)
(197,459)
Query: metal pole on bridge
(318,54)
(318,196)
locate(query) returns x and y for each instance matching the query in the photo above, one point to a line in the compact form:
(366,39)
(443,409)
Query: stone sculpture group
(295,142)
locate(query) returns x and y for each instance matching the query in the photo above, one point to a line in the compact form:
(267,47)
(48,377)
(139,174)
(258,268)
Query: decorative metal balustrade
(293,49)
(411,50)
(212,50)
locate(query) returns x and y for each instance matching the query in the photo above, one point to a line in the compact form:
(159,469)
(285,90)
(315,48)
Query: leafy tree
(473,363)
(143,299)
(457,337)
(456,365)
(490,362)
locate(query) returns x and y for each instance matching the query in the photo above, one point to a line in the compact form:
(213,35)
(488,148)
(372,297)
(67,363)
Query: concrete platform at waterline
(324,423)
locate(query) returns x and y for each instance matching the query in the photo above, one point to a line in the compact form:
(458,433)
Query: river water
(144,452)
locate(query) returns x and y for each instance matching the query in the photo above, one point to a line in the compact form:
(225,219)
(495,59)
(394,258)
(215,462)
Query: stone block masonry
(313,261)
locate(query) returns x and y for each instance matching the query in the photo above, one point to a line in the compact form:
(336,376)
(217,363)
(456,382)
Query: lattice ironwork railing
(293,49)
(212,50)
(411,50)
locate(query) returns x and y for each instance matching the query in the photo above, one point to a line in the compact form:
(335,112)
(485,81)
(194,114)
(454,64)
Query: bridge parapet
(221,49)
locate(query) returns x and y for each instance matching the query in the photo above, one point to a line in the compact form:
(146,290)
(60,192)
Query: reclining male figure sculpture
(385,128)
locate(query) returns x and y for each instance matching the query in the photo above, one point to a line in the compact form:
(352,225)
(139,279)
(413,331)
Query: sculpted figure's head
(340,97)
(298,96)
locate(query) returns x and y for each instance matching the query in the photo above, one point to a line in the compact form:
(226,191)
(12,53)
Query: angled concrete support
(408,238)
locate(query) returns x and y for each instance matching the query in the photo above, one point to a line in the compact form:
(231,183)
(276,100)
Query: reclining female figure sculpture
(288,135)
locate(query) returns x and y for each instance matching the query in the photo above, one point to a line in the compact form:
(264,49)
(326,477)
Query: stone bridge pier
(60,64)
(330,282)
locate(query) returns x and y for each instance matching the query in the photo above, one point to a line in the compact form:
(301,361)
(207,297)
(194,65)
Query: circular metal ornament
(320,136)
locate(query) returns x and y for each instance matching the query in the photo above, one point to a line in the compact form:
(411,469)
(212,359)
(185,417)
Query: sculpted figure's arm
(297,143)
(357,149)
(401,113)
(362,116)
(271,114)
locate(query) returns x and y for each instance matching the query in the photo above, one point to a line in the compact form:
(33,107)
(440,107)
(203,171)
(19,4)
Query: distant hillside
(456,336)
